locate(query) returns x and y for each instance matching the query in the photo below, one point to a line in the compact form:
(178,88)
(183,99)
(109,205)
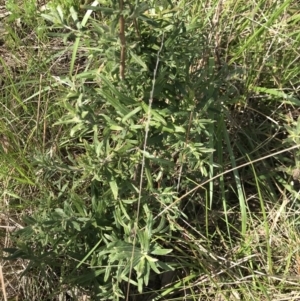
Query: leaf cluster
(89,226)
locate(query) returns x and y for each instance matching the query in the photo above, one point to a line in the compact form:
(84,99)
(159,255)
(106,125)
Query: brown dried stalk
(123,42)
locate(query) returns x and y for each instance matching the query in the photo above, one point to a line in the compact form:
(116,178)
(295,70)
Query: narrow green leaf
(74,16)
(115,103)
(104,9)
(76,225)
(127,100)
(51,18)
(114,188)
(156,116)
(107,273)
(149,177)
(89,12)
(154,267)
(139,61)
(159,251)
(278,94)
(60,13)
(130,114)
(115,127)
(147,273)
(140,267)
(179,129)
(151,259)
(60,212)
(129,201)
(140,285)
(125,278)
(140,9)
(87,256)
(238,182)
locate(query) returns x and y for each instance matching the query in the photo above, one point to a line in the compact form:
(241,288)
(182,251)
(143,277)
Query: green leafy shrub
(104,223)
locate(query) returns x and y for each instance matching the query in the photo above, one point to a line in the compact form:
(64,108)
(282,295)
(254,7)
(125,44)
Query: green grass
(172,183)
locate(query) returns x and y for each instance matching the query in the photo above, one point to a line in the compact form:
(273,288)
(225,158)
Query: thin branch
(143,164)
(201,185)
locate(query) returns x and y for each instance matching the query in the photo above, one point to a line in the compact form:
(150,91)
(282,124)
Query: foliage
(126,158)
(91,217)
